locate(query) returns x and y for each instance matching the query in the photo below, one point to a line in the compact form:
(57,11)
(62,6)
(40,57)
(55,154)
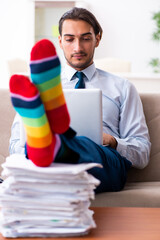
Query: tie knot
(80,83)
(79,75)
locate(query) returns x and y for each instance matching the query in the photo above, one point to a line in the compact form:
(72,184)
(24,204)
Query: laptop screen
(85,108)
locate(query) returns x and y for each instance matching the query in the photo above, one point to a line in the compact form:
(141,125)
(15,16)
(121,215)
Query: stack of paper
(46,202)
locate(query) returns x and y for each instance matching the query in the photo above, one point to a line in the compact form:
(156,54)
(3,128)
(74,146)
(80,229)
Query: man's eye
(86,39)
(69,39)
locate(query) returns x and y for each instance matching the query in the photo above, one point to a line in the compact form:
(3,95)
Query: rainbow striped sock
(26,101)
(45,74)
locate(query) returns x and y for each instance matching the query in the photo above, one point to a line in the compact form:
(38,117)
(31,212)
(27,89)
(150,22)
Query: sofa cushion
(136,194)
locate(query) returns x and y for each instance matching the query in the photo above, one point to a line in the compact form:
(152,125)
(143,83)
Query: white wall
(127,26)
(127,29)
(17,33)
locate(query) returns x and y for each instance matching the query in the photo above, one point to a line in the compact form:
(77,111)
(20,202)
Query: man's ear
(60,41)
(97,40)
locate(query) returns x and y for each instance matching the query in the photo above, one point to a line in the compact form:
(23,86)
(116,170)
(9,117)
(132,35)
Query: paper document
(52,201)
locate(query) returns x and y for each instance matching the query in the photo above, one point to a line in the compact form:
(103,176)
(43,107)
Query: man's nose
(77,46)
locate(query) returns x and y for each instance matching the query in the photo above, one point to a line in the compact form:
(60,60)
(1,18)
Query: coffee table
(119,224)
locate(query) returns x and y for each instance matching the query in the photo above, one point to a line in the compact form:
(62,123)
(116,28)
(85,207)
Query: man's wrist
(113,143)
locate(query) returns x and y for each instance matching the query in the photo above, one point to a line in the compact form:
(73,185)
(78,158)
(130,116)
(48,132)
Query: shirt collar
(89,71)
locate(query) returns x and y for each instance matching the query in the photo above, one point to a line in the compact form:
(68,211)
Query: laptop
(85,108)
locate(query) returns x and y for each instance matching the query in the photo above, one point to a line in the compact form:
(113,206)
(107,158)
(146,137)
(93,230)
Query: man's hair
(81,14)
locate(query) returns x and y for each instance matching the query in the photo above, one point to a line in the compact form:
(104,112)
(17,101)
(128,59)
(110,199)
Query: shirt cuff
(121,147)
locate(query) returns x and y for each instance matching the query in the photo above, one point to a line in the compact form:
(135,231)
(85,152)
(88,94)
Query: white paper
(46,202)
(20,162)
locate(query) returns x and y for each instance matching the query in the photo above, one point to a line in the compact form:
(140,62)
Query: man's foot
(45,74)
(26,101)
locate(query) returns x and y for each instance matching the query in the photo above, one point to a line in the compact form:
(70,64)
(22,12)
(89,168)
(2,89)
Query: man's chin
(78,65)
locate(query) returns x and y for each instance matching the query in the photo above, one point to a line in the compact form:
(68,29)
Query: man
(124,126)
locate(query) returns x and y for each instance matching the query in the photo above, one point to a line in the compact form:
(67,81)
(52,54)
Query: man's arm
(134,143)
(14,146)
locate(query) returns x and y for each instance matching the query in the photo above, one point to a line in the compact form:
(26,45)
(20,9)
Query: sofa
(143,186)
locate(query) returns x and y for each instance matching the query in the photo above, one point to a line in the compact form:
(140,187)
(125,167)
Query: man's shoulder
(113,77)
(112,83)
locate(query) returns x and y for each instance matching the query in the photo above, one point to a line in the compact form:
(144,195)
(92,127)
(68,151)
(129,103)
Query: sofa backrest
(6,118)
(151,109)
(152,113)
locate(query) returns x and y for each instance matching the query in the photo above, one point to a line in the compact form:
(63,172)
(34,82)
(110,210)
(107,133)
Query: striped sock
(26,100)
(45,74)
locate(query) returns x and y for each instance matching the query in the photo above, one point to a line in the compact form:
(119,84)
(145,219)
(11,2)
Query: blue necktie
(80,83)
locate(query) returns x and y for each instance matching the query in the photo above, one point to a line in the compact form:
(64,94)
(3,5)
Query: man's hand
(109,140)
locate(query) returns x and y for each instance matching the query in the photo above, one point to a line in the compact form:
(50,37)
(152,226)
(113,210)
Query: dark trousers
(83,150)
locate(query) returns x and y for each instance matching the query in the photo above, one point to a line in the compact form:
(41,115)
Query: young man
(124,126)
(123,120)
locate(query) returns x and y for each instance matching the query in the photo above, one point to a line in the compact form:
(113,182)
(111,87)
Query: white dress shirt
(123,115)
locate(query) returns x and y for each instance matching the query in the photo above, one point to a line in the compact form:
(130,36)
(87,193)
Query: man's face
(78,42)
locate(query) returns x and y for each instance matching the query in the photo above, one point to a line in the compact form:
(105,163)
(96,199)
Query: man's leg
(45,74)
(114,172)
(42,145)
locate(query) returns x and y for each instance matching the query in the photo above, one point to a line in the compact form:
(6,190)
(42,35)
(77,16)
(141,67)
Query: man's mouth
(78,55)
